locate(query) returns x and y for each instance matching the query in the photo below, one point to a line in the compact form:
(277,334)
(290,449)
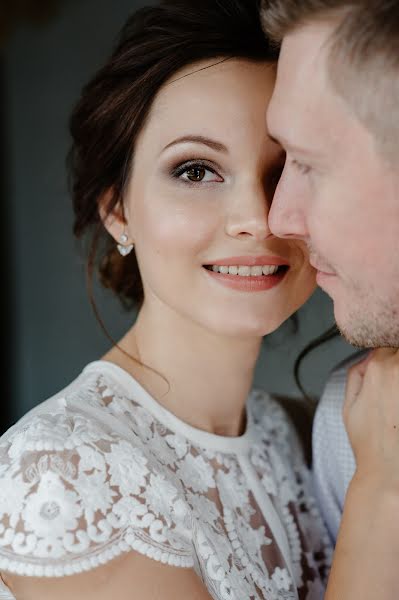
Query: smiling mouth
(260,271)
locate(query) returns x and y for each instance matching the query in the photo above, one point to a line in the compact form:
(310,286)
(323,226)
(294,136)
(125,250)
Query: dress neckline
(204,439)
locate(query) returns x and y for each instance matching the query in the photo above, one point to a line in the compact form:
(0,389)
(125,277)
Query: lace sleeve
(74,494)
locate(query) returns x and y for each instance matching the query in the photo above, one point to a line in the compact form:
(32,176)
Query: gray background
(54,332)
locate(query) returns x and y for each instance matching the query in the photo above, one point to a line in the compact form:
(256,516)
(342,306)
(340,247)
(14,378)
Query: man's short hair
(363,57)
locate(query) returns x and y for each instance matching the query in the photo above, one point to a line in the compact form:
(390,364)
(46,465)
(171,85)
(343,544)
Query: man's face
(337,192)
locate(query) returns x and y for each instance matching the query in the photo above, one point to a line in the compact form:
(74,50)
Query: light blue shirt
(333,460)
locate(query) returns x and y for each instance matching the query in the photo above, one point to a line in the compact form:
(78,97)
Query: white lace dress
(101,469)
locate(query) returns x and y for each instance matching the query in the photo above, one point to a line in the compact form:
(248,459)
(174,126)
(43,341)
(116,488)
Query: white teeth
(244,271)
(256,271)
(269,270)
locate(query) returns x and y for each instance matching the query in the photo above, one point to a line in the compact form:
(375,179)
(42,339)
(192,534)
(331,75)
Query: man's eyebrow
(198,139)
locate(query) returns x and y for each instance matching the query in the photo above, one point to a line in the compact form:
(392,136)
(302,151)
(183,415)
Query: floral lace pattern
(95,473)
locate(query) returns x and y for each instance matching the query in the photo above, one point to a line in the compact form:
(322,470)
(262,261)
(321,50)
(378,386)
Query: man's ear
(113,218)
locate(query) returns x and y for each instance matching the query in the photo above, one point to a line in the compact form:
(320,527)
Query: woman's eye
(197,173)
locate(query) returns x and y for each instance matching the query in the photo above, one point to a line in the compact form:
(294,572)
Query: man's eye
(302,168)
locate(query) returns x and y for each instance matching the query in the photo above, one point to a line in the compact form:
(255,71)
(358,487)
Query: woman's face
(202,183)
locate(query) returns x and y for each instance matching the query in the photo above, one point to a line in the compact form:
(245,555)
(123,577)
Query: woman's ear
(113,217)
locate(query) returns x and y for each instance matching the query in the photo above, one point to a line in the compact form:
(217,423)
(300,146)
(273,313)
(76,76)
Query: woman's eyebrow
(198,139)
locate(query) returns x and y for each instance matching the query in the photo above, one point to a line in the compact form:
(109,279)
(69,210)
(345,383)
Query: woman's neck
(201,377)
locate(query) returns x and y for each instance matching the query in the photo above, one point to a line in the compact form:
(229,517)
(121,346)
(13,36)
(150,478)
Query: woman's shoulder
(95,407)
(79,485)
(80,414)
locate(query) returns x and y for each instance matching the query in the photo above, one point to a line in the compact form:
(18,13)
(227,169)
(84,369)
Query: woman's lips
(250,261)
(248,283)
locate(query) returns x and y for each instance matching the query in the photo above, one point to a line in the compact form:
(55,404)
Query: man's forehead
(303,64)
(309,41)
(303,97)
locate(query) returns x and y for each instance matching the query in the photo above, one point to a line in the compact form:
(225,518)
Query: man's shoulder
(336,382)
(333,460)
(328,418)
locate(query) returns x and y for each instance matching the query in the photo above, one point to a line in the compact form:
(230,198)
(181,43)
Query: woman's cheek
(187,229)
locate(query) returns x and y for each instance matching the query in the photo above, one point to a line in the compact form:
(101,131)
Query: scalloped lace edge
(87,564)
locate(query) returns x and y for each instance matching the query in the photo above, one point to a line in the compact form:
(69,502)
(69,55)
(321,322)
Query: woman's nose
(248,214)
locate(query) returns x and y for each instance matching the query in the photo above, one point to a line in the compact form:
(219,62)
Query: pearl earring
(122,248)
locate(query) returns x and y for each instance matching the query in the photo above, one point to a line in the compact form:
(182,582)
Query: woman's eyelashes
(196,172)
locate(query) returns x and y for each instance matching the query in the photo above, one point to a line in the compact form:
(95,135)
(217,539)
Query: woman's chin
(244,328)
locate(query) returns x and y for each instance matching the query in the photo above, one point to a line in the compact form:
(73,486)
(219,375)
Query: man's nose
(286,215)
